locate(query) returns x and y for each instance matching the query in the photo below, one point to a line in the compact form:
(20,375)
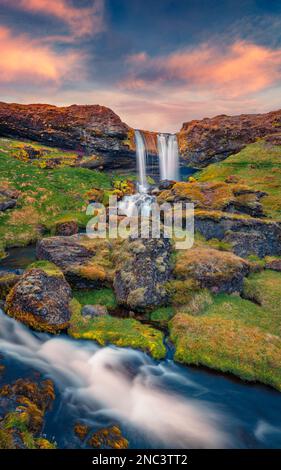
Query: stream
(157,404)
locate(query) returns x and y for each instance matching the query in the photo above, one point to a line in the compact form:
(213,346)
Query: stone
(166,184)
(94,311)
(41,301)
(66,229)
(274,264)
(141,273)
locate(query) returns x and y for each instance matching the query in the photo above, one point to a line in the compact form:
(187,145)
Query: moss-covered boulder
(7,281)
(143,267)
(41,300)
(219,271)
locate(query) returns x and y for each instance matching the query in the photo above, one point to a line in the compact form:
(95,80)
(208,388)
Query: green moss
(104,297)
(46,197)
(234,334)
(123,332)
(162,314)
(49,268)
(258,166)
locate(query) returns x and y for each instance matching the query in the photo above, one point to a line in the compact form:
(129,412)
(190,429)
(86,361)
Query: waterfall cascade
(141,154)
(168,153)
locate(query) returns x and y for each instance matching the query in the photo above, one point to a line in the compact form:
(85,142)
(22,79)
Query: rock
(8,199)
(274,264)
(108,438)
(94,311)
(209,140)
(66,229)
(76,260)
(41,301)
(219,271)
(166,184)
(142,270)
(247,235)
(91,129)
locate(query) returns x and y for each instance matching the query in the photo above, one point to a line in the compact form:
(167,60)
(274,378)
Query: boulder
(8,199)
(94,311)
(219,271)
(7,280)
(274,264)
(142,271)
(41,301)
(66,229)
(248,236)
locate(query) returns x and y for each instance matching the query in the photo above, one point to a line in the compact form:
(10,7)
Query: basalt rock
(246,235)
(90,129)
(210,140)
(66,229)
(143,269)
(8,199)
(94,311)
(41,301)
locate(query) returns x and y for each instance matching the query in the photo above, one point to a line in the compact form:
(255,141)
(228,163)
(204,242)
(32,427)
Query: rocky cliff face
(91,129)
(212,139)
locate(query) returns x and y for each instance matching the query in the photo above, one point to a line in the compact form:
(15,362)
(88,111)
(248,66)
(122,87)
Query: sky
(156,63)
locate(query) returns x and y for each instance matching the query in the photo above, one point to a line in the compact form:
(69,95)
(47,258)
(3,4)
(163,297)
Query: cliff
(213,139)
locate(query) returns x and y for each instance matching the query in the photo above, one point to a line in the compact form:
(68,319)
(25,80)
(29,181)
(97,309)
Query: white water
(141,155)
(168,156)
(121,383)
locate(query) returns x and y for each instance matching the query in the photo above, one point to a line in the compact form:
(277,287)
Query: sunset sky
(156,63)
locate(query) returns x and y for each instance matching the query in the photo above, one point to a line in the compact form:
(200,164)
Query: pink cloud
(236,70)
(81,21)
(25,60)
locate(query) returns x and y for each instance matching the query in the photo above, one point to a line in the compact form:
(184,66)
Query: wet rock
(94,311)
(166,184)
(142,270)
(219,271)
(108,438)
(66,229)
(41,301)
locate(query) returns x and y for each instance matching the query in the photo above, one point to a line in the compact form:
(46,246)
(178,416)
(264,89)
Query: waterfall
(168,156)
(141,154)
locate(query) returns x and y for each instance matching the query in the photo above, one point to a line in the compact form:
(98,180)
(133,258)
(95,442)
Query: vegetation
(47,196)
(162,314)
(104,297)
(124,332)
(234,334)
(49,268)
(257,165)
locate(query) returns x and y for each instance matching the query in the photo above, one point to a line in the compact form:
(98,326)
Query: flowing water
(157,404)
(168,156)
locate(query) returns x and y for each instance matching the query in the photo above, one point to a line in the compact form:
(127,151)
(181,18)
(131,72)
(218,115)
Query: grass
(234,334)
(123,332)
(104,297)
(258,166)
(49,268)
(162,314)
(46,197)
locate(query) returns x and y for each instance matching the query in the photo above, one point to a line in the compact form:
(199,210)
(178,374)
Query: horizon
(155,65)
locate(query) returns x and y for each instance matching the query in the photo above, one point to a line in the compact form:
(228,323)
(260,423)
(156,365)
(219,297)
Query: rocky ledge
(213,139)
(92,129)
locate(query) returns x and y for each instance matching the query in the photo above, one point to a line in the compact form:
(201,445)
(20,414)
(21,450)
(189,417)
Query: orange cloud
(23,59)
(236,70)
(81,21)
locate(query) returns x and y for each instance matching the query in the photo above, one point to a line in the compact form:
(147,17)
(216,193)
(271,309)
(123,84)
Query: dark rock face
(90,129)
(62,251)
(8,199)
(143,269)
(247,236)
(40,301)
(210,140)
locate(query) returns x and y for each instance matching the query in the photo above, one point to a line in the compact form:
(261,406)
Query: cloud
(238,69)
(80,20)
(24,60)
